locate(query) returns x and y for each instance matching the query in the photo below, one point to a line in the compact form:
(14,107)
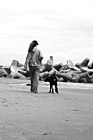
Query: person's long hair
(32,45)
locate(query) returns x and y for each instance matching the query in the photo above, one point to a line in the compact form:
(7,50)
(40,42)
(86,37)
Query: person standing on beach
(33,63)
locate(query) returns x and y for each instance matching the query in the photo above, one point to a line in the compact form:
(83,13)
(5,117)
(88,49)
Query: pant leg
(34,77)
(36,80)
(31,71)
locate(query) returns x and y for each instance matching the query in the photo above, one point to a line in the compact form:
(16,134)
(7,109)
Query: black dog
(52,81)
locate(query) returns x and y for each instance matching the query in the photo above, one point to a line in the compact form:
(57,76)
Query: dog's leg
(56,88)
(50,88)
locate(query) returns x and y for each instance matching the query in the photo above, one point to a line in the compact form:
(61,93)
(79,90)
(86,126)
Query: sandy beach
(45,116)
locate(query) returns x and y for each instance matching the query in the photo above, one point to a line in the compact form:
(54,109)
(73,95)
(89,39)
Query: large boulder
(3,72)
(17,70)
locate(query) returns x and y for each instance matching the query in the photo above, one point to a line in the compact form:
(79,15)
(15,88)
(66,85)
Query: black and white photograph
(46,70)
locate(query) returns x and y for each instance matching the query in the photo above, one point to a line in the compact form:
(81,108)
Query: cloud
(61,27)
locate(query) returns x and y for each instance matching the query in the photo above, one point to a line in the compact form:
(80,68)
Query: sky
(63,28)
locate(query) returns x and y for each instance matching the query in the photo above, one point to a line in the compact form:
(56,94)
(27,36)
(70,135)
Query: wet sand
(44,116)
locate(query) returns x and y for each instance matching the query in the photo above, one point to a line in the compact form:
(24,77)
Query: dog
(53,81)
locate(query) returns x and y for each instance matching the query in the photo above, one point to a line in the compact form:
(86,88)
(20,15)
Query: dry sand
(44,116)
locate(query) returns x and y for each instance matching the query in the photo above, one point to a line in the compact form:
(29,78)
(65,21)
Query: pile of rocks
(69,72)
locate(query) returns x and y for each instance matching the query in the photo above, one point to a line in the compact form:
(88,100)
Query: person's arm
(27,60)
